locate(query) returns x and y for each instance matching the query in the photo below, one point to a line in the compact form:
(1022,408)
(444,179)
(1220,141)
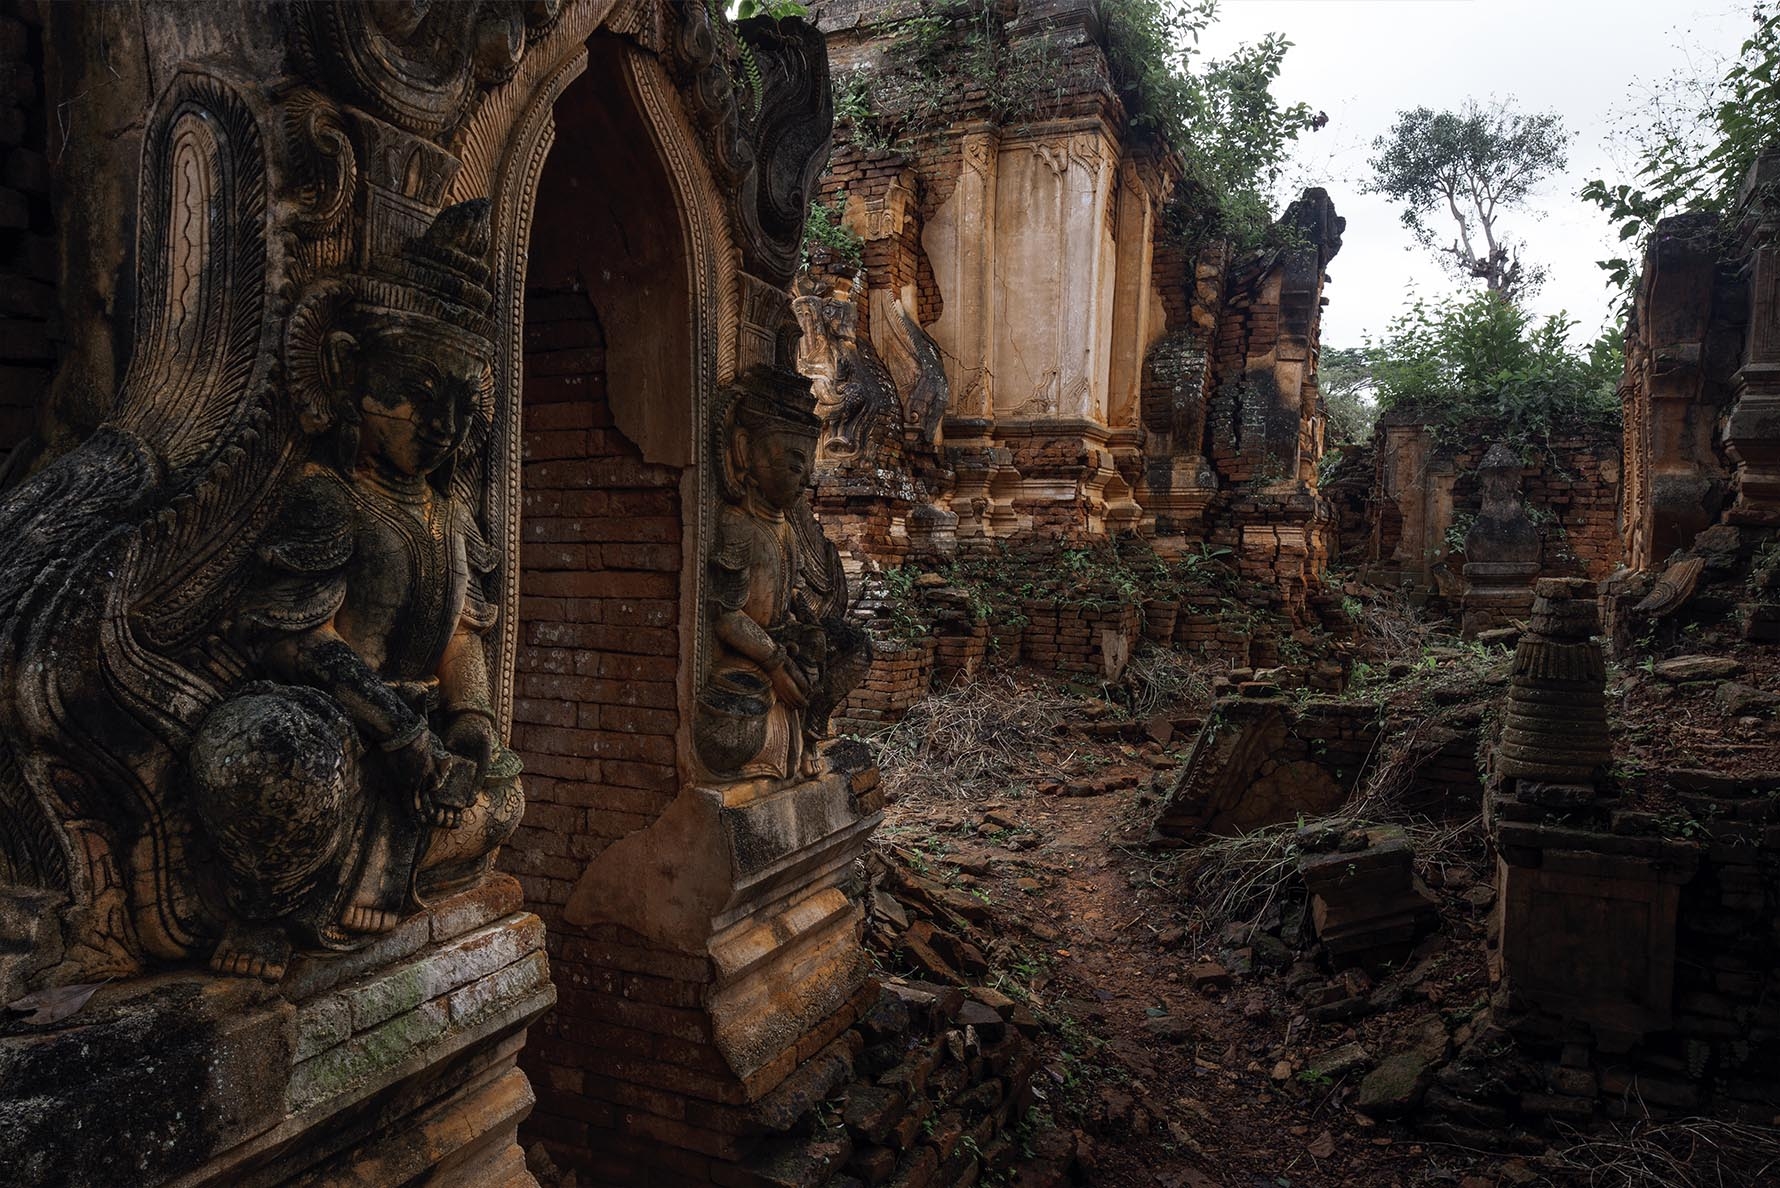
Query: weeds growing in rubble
(1243,879)
(1685,1153)
(976,740)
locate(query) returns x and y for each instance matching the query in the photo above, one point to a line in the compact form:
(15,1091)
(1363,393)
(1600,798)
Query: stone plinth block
(385,1066)
(1588,926)
(746,879)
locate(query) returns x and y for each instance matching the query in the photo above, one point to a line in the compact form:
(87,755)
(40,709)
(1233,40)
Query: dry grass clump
(1241,879)
(976,740)
(1158,680)
(1685,1153)
(1394,628)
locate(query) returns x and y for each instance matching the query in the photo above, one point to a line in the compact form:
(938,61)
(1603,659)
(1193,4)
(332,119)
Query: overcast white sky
(1362,61)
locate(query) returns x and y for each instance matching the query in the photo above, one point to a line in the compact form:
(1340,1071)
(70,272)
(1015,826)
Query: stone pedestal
(386,1066)
(1586,925)
(1496,593)
(734,955)
(1752,440)
(1365,902)
(1175,493)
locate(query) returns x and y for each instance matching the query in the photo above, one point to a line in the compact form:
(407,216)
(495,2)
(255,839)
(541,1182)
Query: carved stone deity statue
(1502,547)
(782,654)
(369,752)
(253,712)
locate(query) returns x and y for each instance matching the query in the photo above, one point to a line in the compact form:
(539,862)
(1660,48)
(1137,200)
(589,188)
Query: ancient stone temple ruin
(414,621)
(500,500)
(1028,351)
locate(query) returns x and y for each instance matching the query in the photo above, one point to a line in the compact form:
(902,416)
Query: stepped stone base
(391,1065)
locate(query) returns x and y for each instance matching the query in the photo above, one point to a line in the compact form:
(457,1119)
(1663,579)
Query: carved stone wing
(128,548)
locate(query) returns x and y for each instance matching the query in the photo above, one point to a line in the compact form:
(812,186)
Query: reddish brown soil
(1097,950)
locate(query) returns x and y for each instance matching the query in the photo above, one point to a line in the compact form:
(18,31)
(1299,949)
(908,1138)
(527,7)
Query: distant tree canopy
(1470,166)
(1219,115)
(1695,140)
(1465,359)
(1350,394)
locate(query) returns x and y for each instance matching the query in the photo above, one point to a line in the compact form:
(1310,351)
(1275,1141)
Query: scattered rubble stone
(1697,668)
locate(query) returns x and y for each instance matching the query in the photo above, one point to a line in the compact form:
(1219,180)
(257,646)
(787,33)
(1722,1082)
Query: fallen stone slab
(1696,668)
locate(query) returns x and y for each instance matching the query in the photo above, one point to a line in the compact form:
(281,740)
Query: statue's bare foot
(367,919)
(246,951)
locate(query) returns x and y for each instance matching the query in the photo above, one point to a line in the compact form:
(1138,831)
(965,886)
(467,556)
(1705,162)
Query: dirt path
(1176,1070)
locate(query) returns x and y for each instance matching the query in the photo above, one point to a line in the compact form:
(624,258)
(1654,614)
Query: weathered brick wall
(595,711)
(29,326)
(897,679)
(1576,479)
(1571,485)
(595,715)
(1348,486)
(1088,639)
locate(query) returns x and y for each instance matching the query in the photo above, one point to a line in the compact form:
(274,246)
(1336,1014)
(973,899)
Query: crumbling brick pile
(931,1083)
(1089,638)
(1260,759)
(959,655)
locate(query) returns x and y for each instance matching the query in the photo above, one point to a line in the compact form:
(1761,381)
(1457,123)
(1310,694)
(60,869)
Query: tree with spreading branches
(1471,165)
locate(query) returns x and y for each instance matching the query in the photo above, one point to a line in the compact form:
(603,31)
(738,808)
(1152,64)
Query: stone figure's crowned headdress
(762,400)
(443,275)
(438,283)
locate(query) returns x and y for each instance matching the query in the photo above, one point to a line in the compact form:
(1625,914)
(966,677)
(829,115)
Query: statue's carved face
(415,405)
(779,465)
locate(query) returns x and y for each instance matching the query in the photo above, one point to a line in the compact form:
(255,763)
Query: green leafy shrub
(825,226)
(1456,361)
(1218,116)
(1696,144)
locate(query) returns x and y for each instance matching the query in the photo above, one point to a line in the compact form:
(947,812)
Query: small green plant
(825,226)
(776,10)
(1464,360)
(1684,826)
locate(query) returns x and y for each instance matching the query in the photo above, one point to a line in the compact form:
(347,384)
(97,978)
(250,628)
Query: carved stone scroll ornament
(782,653)
(416,63)
(772,144)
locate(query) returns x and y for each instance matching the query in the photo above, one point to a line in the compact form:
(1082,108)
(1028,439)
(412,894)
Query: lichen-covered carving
(855,396)
(782,653)
(243,693)
(365,765)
